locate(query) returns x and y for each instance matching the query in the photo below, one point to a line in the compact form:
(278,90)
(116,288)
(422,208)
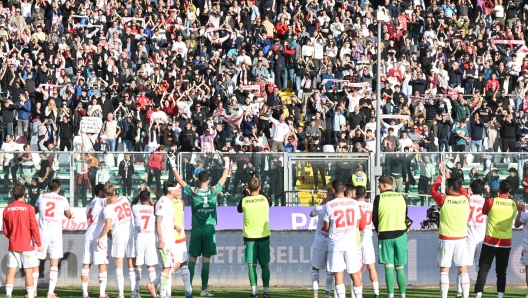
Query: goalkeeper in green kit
(203,205)
(256,235)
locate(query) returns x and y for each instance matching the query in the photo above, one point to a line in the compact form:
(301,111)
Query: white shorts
(524,258)
(93,255)
(452,251)
(122,250)
(319,258)
(339,261)
(474,249)
(26,260)
(146,253)
(176,253)
(51,245)
(368,254)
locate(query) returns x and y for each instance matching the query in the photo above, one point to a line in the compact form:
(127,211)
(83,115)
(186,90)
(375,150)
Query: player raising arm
(92,254)
(21,228)
(452,243)
(118,219)
(51,208)
(342,219)
(204,219)
(144,222)
(320,247)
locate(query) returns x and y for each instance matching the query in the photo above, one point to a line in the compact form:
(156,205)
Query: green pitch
(274,292)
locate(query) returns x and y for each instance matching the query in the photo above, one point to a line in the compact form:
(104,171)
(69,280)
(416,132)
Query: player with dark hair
(256,235)
(452,243)
(497,244)
(92,254)
(204,200)
(21,228)
(342,219)
(51,208)
(368,254)
(389,216)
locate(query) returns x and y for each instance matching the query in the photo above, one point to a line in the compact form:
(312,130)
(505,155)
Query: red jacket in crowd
(20,227)
(156,161)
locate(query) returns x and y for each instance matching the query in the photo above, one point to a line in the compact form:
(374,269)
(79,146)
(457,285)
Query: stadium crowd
(212,75)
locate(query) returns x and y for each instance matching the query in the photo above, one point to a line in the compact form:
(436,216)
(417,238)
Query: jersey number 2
(50,207)
(344,218)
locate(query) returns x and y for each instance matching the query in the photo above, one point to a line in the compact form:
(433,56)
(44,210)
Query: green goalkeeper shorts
(256,252)
(393,251)
(203,242)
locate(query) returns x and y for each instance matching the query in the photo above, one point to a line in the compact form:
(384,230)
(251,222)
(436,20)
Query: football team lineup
(147,234)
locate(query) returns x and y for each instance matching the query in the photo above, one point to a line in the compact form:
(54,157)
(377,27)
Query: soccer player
(181,241)
(476,226)
(51,207)
(320,247)
(21,228)
(144,222)
(92,254)
(171,256)
(118,219)
(368,254)
(256,235)
(521,220)
(497,243)
(342,219)
(204,219)
(452,243)
(389,216)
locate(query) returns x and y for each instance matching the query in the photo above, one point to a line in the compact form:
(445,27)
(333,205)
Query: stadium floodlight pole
(380,16)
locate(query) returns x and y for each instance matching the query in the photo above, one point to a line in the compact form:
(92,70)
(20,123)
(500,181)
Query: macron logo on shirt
(16,209)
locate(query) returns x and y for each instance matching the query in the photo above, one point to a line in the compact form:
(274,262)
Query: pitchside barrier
(290,262)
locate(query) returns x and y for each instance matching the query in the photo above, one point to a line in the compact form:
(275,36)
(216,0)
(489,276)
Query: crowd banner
(290,254)
(281,218)
(91,124)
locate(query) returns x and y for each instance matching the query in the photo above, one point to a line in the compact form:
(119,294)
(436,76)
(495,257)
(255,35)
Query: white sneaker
(206,294)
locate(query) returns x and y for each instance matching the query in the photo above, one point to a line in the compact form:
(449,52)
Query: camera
(245,191)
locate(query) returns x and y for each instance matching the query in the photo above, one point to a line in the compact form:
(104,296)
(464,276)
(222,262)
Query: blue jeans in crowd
(112,144)
(278,70)
(468,88)
(476,145)
(128,146)
(289,70)
(8,129)
(443,143)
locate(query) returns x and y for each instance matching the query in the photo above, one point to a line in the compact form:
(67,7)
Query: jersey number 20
(344,218)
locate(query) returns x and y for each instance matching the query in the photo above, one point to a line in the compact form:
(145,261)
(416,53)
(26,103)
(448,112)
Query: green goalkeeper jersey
(203,205)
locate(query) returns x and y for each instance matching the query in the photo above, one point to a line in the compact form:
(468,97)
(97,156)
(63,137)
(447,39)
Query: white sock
(53,275)
(402,296)
(254,290)
(479,294)
(137,271)
(352,295)
(444,284)
(30,292)
(186,277)
(375,287)
(341,291)
(500,295)
(35,280)
(391,295)
(157,280)
(459,285)
(315,281)
(358,291)
(164,281)
(329,281)
(132,279)
(120,281)
(464,284)
(152,274)
(9,290)
(84,285)
(265,289)
(103,279)
(168,290)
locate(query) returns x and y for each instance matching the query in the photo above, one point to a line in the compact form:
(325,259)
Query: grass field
(275,293)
